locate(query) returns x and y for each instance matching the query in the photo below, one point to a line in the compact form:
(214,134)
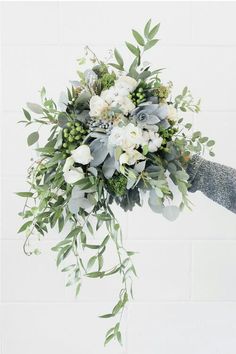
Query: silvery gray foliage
(62,102)
(99,151)
(83,117)
(109,167)
(78,200)
(150,114)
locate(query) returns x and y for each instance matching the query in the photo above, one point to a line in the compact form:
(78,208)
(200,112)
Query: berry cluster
(167,135)
(138,96)
(73,133)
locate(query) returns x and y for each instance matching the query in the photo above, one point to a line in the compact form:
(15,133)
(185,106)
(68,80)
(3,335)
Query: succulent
(150,114)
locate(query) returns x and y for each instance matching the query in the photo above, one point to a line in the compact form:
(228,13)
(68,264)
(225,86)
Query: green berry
(65,145)
(77,137)
(71,139)
(140,89)
(69,124)
(73,132)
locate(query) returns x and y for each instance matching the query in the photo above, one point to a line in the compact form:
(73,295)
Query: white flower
(130,157)
(72,174)
(109,95)
(126,82)
(133,136)
(124,103)
(116,137)
(172,113)
(68,164)
(97,106)
(82,155)
(155,142)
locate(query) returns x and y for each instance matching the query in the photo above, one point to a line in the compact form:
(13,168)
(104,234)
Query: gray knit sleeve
(216,181)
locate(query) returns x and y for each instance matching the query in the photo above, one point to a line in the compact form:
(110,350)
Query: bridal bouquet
(116,136)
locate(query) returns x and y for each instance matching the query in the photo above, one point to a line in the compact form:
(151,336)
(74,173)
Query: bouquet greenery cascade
(118,136)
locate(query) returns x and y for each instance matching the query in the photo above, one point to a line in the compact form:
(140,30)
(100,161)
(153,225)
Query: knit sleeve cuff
(192,170)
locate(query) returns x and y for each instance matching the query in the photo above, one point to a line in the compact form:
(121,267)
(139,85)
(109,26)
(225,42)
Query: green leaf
(138,38)
(109,315)
(185,90)
(150,44)
(27,115)
(211,153)
(74,232)
(188,126)
(34,107)
(93,247)
(78,289)
(109,338)
(203,139)
(33,138)
(100,262)
(119,58)
(90,228)
(24,194)
(95,274)
(117,308)
(116,66)
(91,262)
(61,223)
(196,135)
(154,31)
(54,160)
(118,336)
(67,269)
(147,28)
(104,242)
(133,49)
(210,143)
(24,226)
(62,119)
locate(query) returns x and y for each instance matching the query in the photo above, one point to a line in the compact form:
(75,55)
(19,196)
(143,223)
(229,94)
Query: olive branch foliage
(79,254)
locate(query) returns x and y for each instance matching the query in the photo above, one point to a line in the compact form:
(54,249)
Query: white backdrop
(185,296)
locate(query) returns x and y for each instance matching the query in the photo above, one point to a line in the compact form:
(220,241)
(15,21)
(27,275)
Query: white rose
(126,82)
(133,136)
(72,174)
(109,95)
(97,106)
(82,155)
(116,137)
(172,113)
(124,103)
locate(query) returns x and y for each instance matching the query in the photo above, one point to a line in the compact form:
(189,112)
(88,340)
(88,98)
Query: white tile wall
(185,294)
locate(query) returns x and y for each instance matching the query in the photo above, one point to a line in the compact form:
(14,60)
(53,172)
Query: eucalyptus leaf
(133,49)
(33,138)
(118,58)
(171,212)
(34,107)
(138,38)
